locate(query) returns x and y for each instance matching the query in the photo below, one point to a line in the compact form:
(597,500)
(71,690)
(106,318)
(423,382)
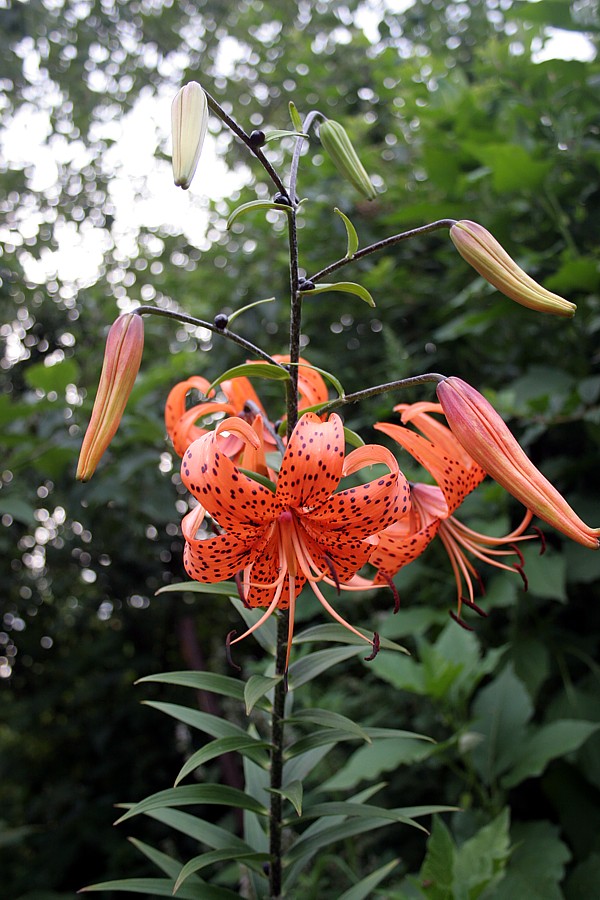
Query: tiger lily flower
(487,438)
(302,532)
(432,508)
(122,358)
(240,400)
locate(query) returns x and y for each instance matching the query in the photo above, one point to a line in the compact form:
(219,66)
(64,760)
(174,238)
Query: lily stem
(382,245)
(429,377)
(200,323)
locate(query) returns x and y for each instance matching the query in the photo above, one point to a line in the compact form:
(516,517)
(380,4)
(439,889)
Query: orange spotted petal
(455,480)
(311,468)
(223,556)
(367,508)
(229,496)
(311,387)
(403,542)
(438,433)
(339,557)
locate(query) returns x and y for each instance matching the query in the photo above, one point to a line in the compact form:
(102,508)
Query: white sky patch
(568,45)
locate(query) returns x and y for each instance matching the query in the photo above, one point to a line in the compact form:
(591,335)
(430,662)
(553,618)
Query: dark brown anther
(257,138)
(376,644)
(472,605)
(228,640)
(542,538)
(390,583)
(332,572)
(516,550)
(519,569)
(460,621)
(221,321)
(240,588)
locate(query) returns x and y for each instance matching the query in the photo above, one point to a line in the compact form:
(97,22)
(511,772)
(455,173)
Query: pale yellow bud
(189,119)
(482,251)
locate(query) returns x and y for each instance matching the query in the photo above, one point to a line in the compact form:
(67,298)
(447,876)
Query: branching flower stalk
(273,532)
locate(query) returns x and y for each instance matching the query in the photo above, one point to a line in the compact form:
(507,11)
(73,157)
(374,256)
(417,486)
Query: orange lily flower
(302,532)
(241,400)
(431,514)
(487,438)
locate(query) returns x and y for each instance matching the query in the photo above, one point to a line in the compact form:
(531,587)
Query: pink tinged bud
(485,436)
(483,252)
(189,119)
(122,357)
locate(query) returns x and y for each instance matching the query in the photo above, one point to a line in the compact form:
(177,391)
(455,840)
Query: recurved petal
(222,557)
(364,510)
(454,479)
(312,464)
(418,414)
(175,406)
(268,575)
(185,431)
(398,546)
(232,498)
(338,556)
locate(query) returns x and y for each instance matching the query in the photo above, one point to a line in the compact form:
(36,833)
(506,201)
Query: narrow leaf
(248,746)
(311,666)
(292,792)
(223,588)
(365,886)
(353,438)
(214,856)
(341,635)
(331,720)
(167,864)
(162,887)
(256,688)
(277,135)
(361,810)
(195,718)
(350,231)
(252,370)
(326,375)
(348,287)
(255,204)
(200,830)
(248,306)
(201,681)
(219,794)
(295,116)
(320,738)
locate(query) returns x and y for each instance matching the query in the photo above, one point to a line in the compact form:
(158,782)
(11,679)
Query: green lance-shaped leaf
(338,146)
(295,116)
(256,204)
(252,370)
(219,794)
(364,888)
(248,306)
(329,719)
(256,688)
(163,887)
(277,135)
(321,738)
(360,810)
(340,635)
(165,863)
(223,589)
(216,856)
(350,232)
(195,718)
(248,746)
(200,681)
(292,792)
(303,670)
(348,287)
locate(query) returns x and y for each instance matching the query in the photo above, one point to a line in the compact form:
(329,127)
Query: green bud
(344,157)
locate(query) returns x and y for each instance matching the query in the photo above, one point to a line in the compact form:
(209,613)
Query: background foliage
(455,119)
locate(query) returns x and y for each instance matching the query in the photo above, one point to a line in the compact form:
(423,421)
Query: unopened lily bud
(482,251)
(487,439)
(344,157)
(122,357)
(189,120)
